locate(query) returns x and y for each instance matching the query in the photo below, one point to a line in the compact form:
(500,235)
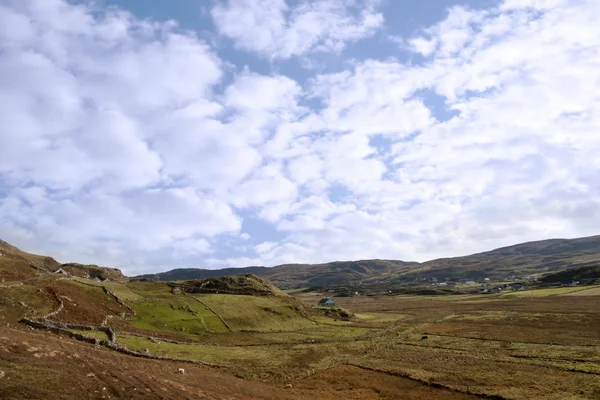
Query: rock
(91,375)
(147,351)
(1,374)
(288,386)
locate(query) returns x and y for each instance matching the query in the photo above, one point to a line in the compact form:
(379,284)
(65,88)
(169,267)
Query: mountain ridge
(535,258)
(529,258)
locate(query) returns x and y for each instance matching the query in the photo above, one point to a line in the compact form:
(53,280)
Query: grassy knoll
(173,315)
(150,289)
(120,289)
(259,313)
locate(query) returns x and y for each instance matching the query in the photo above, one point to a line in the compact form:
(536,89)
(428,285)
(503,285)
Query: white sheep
(181,371)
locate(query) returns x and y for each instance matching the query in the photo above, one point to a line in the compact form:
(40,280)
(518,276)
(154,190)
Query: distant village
(442,285)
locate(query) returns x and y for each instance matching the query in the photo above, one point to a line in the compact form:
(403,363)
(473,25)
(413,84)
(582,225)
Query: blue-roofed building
(327,302)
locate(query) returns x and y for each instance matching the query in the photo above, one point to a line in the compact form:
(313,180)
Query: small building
(486,279)
(327,302)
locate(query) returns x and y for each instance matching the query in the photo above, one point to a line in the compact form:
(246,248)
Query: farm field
(539,345)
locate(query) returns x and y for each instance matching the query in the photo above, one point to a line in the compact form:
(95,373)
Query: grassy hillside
(241,284)
(583,274)
(527,258)
(17,265)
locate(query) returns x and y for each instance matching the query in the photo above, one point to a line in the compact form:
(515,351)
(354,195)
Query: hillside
(522,259)
(302,275)
(583,275)
(247,284)
(532,258)
(16,265)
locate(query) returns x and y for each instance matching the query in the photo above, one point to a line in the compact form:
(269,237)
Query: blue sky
(154,135)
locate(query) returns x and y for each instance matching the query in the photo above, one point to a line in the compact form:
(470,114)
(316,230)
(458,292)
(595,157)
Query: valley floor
(274,347)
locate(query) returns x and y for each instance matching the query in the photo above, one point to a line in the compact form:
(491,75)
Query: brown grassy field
(396,347)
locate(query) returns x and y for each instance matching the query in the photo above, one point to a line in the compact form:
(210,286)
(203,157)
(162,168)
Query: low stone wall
(132,312)
(213,311)
(61,305)
(59,327)
(62,329)
(46,326)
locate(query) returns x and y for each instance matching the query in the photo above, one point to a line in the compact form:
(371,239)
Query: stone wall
(59,328)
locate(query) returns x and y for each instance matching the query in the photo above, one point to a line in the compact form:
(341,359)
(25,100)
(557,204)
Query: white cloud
(276,30)
(115,123)
(124,142)
(424,46)
(516,163)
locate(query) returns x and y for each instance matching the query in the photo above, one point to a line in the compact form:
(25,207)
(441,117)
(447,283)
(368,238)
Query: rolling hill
(532,258)
(299,275)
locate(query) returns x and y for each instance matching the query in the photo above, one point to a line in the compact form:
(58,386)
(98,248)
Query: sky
(152,135)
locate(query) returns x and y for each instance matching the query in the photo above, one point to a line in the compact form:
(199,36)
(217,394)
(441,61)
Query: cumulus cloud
(276,30)
(114,137)
(125,141)
(515,163)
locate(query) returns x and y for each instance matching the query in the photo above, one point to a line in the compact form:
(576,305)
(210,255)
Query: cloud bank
(134,143)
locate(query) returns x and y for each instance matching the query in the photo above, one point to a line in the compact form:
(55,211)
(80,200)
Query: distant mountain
(301,275)
(532,258)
